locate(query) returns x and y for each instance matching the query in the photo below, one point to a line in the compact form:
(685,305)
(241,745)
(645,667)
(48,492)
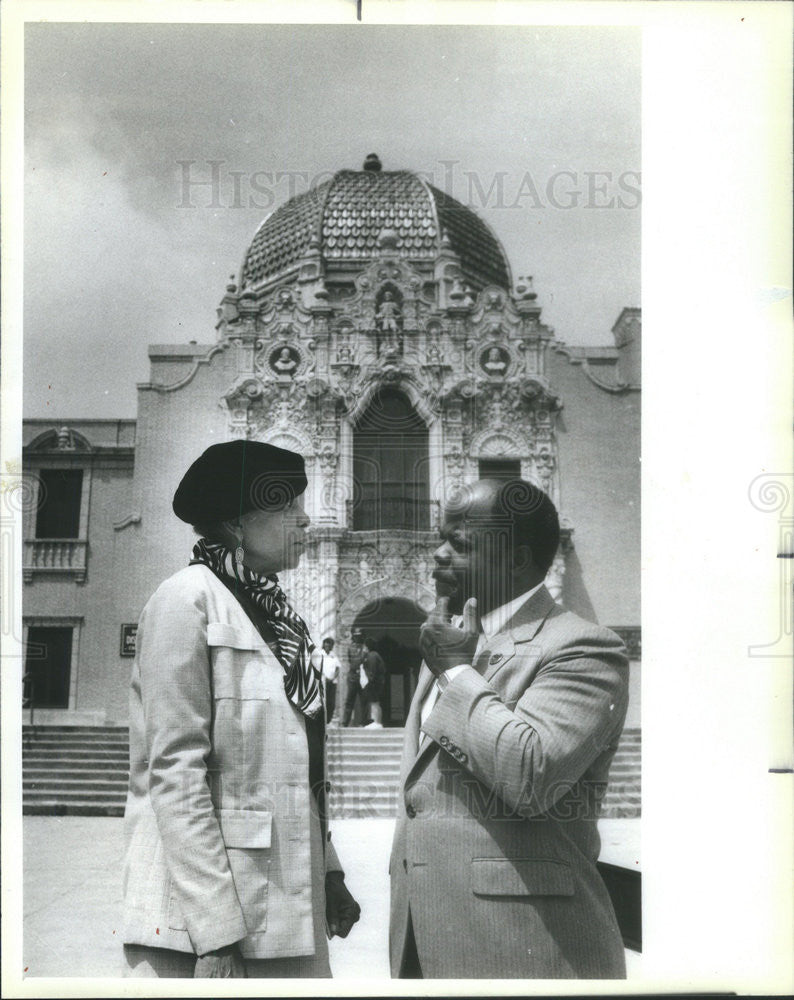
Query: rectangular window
(500,468)
(48,667)
(58,515)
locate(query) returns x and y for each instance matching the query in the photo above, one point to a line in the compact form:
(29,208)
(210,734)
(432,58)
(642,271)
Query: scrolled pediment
(500,444)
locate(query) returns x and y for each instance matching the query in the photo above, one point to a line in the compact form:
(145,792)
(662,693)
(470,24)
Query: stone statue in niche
(494,361)
(389,314)
(433,353)
(284,361)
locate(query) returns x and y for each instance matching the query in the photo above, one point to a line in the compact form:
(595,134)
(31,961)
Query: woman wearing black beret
(229,869)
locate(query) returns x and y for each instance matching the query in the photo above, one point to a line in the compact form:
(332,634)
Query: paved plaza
(72,893)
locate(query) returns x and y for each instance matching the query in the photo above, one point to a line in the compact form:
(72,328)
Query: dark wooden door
(48,667)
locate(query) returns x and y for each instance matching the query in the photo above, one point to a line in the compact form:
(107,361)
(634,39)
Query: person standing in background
(353,691)
(372,674)
(329,666)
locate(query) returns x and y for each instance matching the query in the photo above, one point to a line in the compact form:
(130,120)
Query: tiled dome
(349,212)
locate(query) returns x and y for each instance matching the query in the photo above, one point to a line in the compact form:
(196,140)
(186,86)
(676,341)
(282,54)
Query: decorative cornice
(61,439)
(125,522)
(579,356)
(613,387)
(181,383)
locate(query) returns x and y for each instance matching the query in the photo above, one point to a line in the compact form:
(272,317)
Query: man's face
(472,561)
(328,645)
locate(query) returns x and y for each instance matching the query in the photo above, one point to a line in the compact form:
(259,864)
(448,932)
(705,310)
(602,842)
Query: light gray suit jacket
(217,823)
(495,845)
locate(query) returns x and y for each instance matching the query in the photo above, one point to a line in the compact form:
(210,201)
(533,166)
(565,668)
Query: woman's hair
(215,531)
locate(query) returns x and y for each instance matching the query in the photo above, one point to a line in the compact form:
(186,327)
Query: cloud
(114,263)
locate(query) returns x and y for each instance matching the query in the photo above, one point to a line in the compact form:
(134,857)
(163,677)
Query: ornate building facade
(376,329)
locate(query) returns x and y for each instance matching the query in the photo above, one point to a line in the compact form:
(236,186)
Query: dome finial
(373,163)
(525,290)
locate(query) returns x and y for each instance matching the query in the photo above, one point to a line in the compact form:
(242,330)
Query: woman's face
(274,540)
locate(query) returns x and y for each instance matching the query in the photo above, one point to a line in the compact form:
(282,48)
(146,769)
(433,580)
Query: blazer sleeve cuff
(450,714)
(332,862)
(214,929)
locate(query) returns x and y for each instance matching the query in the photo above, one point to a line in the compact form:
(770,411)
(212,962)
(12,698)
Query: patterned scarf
(301,679)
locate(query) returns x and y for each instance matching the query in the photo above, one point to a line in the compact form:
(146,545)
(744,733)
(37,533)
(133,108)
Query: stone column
(327,595)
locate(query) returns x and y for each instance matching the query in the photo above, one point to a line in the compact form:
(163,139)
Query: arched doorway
(392,625)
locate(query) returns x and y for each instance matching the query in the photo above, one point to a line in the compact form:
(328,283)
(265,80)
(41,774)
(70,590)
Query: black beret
(235,477)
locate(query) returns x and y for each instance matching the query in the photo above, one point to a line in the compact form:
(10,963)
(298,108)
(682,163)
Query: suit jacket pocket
(250,828)
(240,667)
(224,634)
(247,835)
(176,919)
(521,877)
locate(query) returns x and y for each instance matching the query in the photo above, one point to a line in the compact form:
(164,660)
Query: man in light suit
(515,720)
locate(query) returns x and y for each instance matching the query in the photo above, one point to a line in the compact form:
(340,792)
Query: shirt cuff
(453,672)
(449,675)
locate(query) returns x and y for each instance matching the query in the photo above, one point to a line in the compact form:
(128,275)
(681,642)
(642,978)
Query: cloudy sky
(537,129)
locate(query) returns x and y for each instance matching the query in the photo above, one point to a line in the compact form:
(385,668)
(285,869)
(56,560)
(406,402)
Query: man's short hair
(328,639)
(533,518)
(524,510)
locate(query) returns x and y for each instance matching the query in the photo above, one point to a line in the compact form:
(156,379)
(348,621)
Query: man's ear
(523,562)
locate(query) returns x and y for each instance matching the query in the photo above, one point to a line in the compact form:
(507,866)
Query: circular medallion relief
(284,361)
(495,361)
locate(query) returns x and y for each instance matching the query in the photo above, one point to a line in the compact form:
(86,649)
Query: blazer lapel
(412,755)
(522,627)
(497,651)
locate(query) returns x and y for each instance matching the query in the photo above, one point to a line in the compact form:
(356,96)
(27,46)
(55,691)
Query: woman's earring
(239,555)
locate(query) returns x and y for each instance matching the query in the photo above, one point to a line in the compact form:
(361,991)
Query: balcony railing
(55,555)
(397,514)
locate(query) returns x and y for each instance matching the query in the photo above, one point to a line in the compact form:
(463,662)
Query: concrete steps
(83,771)
(74,770)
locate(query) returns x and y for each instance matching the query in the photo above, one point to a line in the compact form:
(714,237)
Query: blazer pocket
(176,920)
(224,634)
(247,835)
(521,877)
(239,663)
(245,827)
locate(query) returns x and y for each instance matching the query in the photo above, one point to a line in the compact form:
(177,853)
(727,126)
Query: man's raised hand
(442,644)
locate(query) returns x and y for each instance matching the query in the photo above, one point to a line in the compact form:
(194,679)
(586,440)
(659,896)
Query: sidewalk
(72,893)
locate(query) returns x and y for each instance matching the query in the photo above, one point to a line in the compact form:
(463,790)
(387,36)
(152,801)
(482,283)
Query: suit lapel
(411,752)
(497,651)
(522,627)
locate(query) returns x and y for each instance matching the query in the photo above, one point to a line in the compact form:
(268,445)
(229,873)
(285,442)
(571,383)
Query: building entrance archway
(392,625)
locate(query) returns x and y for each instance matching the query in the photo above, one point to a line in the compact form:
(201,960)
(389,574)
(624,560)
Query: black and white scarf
(301,679)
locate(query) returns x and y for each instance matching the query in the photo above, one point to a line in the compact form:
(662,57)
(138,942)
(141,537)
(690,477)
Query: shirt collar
(494,621)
